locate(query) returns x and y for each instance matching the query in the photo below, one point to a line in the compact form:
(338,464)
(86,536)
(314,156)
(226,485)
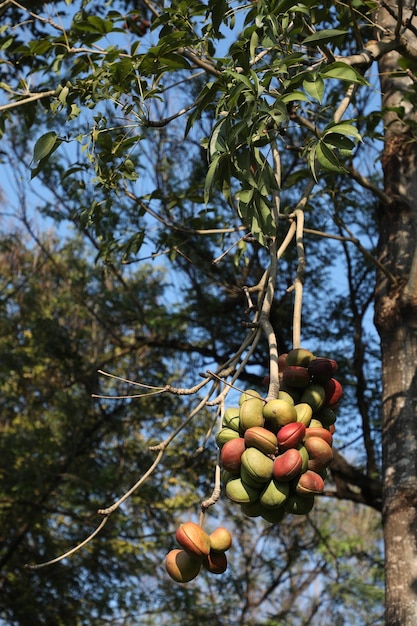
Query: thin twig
(73,550)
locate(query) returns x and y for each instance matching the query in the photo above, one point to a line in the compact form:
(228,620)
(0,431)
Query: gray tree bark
(396,320)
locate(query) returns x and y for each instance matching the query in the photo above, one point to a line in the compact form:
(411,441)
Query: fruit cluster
(274,454)
(199,549)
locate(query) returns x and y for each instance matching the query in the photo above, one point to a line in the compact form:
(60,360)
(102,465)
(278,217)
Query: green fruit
(277,413)
(181,566)
(304,455)
(314,395)
(304,413)
(231,419)
(327,417)
(293,392)
(257,464)
(248,395)
(252,509)
(285,395)
(274,494)
(251,413)
(224,435)
(274,516)
(299,356)
(299,505)
(220,539)
(238,491)
(249,479)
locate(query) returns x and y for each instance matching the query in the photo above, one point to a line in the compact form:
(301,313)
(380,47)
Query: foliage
(197,141)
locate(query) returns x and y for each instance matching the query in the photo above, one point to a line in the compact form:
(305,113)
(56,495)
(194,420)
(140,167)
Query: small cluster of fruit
(274,454)
(199,549)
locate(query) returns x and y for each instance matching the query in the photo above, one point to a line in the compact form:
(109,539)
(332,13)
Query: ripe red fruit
(287,465)
(316,431)
(193,539)
(291,435)
(333,393)
(231,454)
(320,369)
(296,376)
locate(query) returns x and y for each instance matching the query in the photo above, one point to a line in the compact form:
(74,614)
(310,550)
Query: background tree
(282,117)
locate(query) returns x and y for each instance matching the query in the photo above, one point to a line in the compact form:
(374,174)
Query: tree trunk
(396,320)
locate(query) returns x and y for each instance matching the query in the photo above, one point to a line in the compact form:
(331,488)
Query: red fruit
(215,562)
(291,435)
(319,432)
(261,438)
(320,369)
(231,453)
(287,465)
(333,393)
(319,452)
(193,539)
(309,483)
(296,376)
(282,361)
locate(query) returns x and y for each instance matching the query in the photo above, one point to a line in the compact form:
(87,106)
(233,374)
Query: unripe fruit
(333,393)
(249,479)
(257,464)
(274,516)
(252,509)
(299,505)
(248,395)
(261,438)
(215,562)
(326,416)
(284,395)
(309,483)
(251,413)
(320,369)
(274,494)
(224,435)
(220,540)
(181,566)
(238,491)
(231,454)
(314,395)
(299,356)
(231,419)
(302,450)
(277,413)
(296,376)
(315,423)
(293,392)
(291,435)
(287,465)
(193,539)
(304,413)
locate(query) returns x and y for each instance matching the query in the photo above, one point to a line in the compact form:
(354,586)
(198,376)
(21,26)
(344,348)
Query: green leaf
(344,128)
(325,36)
(343,71)
(44,146)
(328,158)
(314,87)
